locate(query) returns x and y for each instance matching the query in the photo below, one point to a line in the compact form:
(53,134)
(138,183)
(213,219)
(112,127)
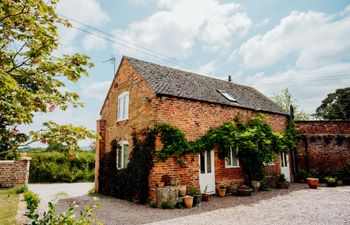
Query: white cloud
(308,86)
(208,69)
(97,90)
(177,25)
(84,11)
(314,38)
(93,43)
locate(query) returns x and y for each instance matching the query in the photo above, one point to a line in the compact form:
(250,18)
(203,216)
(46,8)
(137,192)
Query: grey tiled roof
(174,82)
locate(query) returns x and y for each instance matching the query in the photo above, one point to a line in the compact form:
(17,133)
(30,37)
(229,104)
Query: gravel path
(297,205)
(321,206)
(54,192)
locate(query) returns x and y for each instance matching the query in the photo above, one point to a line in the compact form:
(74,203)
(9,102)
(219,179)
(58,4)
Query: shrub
(168,205)
(32,200)
(20,189)
(86,216)
(330,179)
(58,167)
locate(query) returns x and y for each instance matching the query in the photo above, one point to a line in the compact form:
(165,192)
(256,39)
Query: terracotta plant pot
(256,185)
(222,192)
(182,190)
(205,197)
(188,200)
(312,182)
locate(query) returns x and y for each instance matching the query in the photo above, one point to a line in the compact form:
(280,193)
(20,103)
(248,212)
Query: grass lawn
(8,206)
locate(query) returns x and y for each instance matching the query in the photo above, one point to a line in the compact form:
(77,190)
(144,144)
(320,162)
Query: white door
(207,172)
(285,165)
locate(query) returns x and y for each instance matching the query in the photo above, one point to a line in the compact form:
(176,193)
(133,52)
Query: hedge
(58,167)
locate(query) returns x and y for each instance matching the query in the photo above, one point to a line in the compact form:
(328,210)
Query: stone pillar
(25,162)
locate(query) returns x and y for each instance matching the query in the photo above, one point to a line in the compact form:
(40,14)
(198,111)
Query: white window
(123,155)
(123,106)
(232,159)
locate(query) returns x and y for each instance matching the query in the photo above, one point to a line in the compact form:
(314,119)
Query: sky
(268,44)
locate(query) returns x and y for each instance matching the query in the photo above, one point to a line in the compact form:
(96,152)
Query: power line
(132,46)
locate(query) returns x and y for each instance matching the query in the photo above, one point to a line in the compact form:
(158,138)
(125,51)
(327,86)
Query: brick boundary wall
(324,146)
(14,172)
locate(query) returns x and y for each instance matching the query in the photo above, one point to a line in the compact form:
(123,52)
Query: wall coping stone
(7,161)
(25,158)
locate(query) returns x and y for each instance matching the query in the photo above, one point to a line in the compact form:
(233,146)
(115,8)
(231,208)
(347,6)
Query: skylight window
(227,96)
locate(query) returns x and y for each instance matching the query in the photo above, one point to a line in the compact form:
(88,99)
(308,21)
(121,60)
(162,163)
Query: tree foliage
(285,100)
(32,74)
(336,106)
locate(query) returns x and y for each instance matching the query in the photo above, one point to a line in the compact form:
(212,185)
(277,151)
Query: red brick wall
(14,173)
(195,118)
(320,148)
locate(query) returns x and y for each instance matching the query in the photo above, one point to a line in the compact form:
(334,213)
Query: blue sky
(268,44)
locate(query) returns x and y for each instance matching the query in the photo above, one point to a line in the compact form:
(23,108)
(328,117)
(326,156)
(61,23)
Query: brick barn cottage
(144,93)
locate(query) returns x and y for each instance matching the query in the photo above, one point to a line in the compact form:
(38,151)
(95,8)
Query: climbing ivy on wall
(258,144)
(132,182)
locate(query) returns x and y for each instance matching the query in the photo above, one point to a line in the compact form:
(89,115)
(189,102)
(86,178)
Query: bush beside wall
(58,167)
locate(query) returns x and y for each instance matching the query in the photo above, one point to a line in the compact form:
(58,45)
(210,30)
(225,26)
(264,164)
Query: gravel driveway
(297,205)
(54,192)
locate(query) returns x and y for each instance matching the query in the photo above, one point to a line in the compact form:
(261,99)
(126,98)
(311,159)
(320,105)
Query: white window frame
(231,152)
(122,149)
(123,106)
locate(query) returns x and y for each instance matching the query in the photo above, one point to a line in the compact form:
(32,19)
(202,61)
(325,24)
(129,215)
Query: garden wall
(14,172)
(324,146)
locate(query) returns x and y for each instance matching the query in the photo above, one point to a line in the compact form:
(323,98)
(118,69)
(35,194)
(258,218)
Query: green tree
(32,75)
(336,106)
(285,99)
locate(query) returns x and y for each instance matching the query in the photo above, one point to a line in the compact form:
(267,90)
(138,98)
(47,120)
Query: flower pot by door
(205,197)
(312,182)
(188,200)
(222,192)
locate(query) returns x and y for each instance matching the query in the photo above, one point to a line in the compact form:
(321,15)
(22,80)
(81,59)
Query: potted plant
(244,190)
(205,195)
(255,184)
(331,181)
(312,182)
(188,200)
(282,182)
(197,198)
(182,190)
(222,190)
